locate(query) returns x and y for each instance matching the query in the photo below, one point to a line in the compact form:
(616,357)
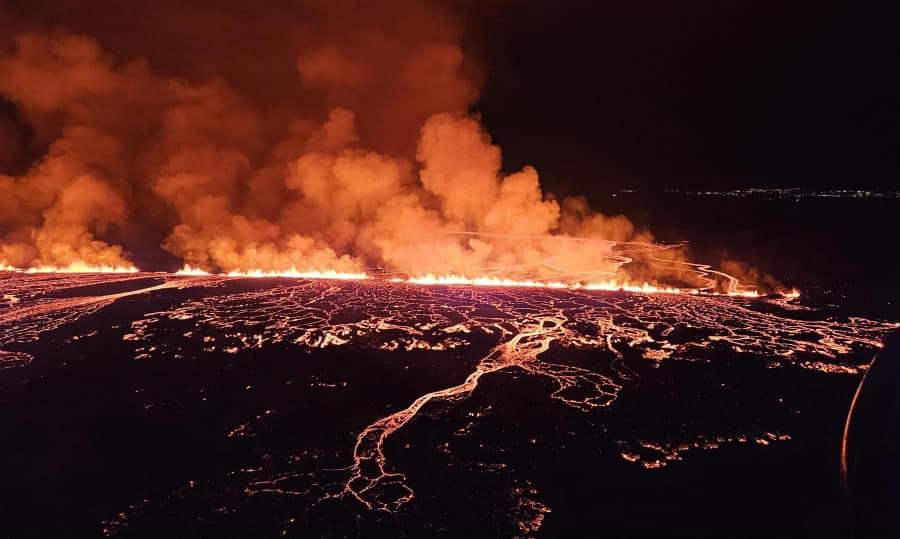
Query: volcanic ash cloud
(371,159)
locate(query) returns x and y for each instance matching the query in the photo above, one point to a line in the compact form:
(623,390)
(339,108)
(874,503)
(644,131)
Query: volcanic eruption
(263,272)
(352,146)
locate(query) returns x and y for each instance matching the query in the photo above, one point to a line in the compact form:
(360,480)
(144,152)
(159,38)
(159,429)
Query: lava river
(585,348)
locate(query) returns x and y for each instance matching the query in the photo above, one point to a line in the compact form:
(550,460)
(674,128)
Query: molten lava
(291,273)
(525,328)
(644,288)
(73,267)
(735,288)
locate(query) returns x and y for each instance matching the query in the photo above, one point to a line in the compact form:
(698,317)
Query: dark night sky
(653,94)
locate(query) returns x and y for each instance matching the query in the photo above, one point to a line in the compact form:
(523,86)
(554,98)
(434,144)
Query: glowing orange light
(74,267)
(422,280)
(291,272)
(645,288)
(189,270)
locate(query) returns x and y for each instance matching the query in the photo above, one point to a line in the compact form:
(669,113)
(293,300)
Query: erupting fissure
(292,273)
(368,158)
(734,286)
(73,267)
(539,275)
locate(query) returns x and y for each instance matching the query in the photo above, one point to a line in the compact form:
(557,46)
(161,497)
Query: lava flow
(586,345)
(536,332)
(431,279)
(372,483)
(73,267)
(33,310)
(291,273)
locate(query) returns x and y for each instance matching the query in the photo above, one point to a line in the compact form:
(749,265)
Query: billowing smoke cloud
(332,135)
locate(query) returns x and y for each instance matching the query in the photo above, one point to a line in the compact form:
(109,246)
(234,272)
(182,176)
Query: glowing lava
(291,273)
(432,279)
(582,346)
(532,331)
(735,289)
(74,267)
(378,488)
(609,286)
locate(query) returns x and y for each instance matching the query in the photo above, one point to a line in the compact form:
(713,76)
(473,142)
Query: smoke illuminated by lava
(363,155)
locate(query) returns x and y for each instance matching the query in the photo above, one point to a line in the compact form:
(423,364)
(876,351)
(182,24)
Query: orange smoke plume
(362,155)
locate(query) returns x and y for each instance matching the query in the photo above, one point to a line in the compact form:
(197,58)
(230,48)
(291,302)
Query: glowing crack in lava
(585,346)
(33,310)
(370,481)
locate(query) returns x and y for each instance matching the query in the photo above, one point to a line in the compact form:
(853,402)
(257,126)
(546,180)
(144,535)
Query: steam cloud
(332,135)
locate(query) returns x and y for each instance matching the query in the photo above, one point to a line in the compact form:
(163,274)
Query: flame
(423,280)
(611,285)
(189,270)
(734,293)
(291,272)
(74,267)
(608,285)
